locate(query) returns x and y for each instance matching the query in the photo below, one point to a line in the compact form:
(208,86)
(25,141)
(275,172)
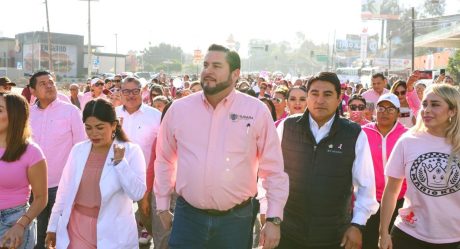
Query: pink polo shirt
(213,156)
(14,183)
(372,96)
(56,129)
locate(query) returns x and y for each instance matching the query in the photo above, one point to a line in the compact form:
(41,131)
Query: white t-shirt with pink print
(431,210)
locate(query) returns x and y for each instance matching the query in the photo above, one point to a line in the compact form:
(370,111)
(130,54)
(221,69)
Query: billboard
(380,9)
(353,43)
(36,56)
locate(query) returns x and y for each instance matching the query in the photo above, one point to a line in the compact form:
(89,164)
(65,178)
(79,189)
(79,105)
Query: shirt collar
(227,100)
(141,109)
(326,126)
(50,106)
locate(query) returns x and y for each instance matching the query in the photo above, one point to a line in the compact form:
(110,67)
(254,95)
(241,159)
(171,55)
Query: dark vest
(318,210)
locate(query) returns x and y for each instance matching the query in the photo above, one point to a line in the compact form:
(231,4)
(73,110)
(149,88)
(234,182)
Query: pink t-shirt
(14,184)
(432,201)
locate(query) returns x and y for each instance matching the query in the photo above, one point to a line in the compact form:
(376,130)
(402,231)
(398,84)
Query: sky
(191,24)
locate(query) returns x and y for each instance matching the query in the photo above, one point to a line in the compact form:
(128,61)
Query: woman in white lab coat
(102,178)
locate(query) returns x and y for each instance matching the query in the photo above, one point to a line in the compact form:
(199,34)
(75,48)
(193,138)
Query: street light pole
(50,50)
(413,37)
(116,52)
(90,62)
(389,52)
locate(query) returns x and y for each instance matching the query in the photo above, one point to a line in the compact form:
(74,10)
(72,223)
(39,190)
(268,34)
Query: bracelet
(24,215)
(21,225)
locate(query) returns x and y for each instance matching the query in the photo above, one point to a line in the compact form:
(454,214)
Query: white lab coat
(120,185)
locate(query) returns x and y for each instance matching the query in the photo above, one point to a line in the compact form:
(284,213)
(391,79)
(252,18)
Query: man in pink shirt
(211,148)
(379,82)
(56,126)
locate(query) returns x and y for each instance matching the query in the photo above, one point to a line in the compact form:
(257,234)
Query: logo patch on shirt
(335,149)
(432,176)
(236,117)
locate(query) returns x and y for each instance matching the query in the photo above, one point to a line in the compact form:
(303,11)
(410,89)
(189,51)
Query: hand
(50,240)
(352,239)
(13,237)
(411,81)
(385,241)
(166,219)
(145,205)
(118,152)
(270,236)
(262,219)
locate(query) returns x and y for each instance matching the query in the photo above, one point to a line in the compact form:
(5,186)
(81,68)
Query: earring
(113,135)
(450,119)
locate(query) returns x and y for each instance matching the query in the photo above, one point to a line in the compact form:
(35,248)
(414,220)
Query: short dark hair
(232,57)
(18,131)
(33,79)
(377,75)
(104,111)
(326,76)
(356,97)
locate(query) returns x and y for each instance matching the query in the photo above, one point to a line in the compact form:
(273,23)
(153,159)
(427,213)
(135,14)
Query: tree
(433,8)
(453,66)
(157,55)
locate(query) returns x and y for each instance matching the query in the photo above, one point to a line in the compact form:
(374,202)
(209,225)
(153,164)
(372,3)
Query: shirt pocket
(238,136)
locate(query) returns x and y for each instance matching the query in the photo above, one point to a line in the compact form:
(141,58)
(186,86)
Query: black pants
(43,217)
(287,243)
(371,232)
(402,240)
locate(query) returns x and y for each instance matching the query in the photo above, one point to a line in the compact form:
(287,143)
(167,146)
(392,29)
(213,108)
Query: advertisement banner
(380,9)
(36,56)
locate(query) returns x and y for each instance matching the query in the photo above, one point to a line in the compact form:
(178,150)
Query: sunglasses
(99,84)
(357,107)
(402,93)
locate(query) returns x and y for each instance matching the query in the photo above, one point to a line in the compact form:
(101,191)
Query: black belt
(214,212)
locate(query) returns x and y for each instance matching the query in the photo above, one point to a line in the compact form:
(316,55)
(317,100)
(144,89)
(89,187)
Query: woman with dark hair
(22,167)
(357,109)
(101,179)
(410,103)
(296,102)
(270,107)
(155,90)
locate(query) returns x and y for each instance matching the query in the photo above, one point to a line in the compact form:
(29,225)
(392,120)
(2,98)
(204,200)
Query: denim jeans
(193,228)
(43,217)
(9,217)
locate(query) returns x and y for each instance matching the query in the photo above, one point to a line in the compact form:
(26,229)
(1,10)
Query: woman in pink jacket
(382,136)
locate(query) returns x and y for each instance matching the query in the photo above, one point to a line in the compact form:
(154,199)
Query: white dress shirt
(366,203)
(141,126)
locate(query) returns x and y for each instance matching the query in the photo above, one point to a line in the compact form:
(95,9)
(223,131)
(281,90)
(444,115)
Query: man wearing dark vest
(326,158)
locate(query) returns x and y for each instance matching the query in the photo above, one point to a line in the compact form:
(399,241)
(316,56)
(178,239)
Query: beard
(219,87)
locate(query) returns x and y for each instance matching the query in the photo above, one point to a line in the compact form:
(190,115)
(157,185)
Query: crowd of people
(230,161)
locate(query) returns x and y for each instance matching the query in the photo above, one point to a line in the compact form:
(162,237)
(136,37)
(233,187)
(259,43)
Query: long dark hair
(18,131)
(104,111)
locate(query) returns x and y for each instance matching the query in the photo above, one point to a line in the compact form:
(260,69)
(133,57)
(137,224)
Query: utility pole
(116,52)
(413,37)
(50,50)
(90,52)
(389,52)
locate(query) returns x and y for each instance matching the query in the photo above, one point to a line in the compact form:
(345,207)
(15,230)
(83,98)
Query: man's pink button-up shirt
(57,128)
(213,156)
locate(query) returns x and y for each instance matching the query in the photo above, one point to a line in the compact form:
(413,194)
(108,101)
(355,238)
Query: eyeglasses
(126,92)
(263,88)
(402,93)
(357,107)
(117,81)
(98,84)
(389,110)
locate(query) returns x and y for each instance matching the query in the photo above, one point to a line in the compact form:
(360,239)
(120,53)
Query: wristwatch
(275,220)
(360,227)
